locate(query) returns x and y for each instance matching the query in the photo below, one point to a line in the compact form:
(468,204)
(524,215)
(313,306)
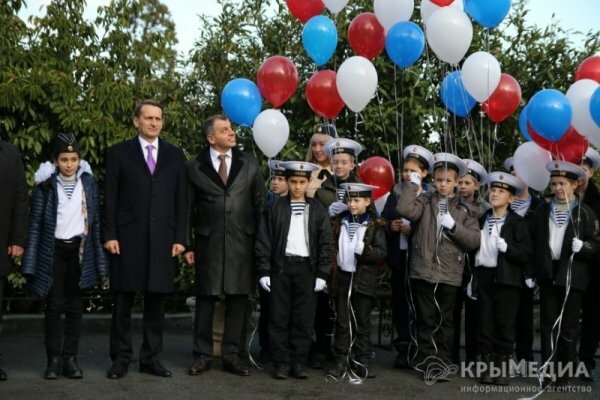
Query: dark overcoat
(225,221)
(146,213)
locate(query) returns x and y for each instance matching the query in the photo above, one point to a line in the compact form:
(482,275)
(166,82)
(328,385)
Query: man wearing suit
(227,191)
(14,212)
(144,228)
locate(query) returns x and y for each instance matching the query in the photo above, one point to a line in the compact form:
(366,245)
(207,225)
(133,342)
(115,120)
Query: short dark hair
(209,125)
(147,102)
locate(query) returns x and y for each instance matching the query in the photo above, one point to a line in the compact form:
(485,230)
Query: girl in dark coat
(63,255)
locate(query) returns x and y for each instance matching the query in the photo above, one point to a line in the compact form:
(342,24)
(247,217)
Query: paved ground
(24,360)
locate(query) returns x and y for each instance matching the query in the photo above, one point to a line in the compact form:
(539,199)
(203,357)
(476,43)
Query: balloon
(589,69)
(319,38)
(277,79)
(488,13)
(271,131)
(241,101)
(454,96)
(595,108)
(442,3)
(481,75)
(504,101)
(322,94)
(580,94)
(356,82)
(571,147)
(404,43)
(550,114)
(305,9)
(366,35)
(530,162)
(449,34)
(377,171)
(428,8)
(335,6)
(523,124)
(390,12)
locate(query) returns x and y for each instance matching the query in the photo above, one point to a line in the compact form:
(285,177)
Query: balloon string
(398,143)
(402,79)
(387,145)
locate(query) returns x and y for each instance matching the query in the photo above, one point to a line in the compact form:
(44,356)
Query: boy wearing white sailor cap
(293,250)
(566,239)
(444,229)
(279,185)
(505,245)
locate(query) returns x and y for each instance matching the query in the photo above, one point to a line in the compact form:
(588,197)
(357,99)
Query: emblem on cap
(70,148)
(501,177)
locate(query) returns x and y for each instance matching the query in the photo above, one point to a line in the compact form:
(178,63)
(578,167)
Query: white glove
(530,283)
(577,245)
(447,221)
(415,178)
(320,284)
(501,244)
(470,291)
(337,207)
(265,283)
(360,247)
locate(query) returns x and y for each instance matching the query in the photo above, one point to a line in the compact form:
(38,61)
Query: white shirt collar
(144,143)
(214,155)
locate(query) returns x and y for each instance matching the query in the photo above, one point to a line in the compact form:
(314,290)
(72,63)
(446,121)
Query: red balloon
(442,3)
(589,69)
(377,171)
(366,35)
(305,9)
(322,94)
(277,80)
(505,99)
(571,147)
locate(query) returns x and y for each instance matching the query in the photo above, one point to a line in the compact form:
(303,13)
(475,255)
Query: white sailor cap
(509,164)
(505,180)
(566,169)
(419,153)
(343,146)
(327,129)
(591,158)
(449,161)
(276,168)
(476,170)
(357,189)
(298,168)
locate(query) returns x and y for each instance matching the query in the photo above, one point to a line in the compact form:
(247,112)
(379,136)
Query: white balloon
(356,82)
(481,75)
(530,162)
(579,94)
(271,131)
(449,33)
(390,12)
(335,6)
(428,8)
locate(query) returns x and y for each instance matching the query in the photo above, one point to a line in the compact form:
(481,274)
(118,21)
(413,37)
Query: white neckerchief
(346,258)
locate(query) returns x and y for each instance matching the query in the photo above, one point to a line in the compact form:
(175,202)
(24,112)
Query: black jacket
(271,239)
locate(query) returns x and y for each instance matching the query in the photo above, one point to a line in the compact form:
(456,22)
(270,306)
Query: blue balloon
(550,113)
(319,38)
(523,124)
(595,106)
(241,101)
(404,43)
(454,95)
(488,13)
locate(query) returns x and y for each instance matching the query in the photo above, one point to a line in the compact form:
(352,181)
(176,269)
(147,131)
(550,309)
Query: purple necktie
(150,159)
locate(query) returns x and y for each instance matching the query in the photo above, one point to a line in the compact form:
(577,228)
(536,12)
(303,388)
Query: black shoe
(338,370)
(71,368)
(401,361)
(117,371)
(155,369)
(236,367)
(199,366)
(54,368)
(297,371)
(281,371)
(364,370)
(502,362)
(3,376)
(485,378)
(316,361)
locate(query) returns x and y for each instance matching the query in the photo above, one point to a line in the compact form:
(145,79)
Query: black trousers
(263,320)
(524,325)
(233,346)
(400,310)
(2,284)
(324,320)
(470,320)
(120,328)
(352,327)
(497,306)
(66,297)
(435,322)
(551,301)
(590,322)
(292,311)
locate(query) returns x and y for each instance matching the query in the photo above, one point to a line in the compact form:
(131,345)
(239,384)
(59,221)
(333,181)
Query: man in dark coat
(144,228)
(14,210)
(227,192)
